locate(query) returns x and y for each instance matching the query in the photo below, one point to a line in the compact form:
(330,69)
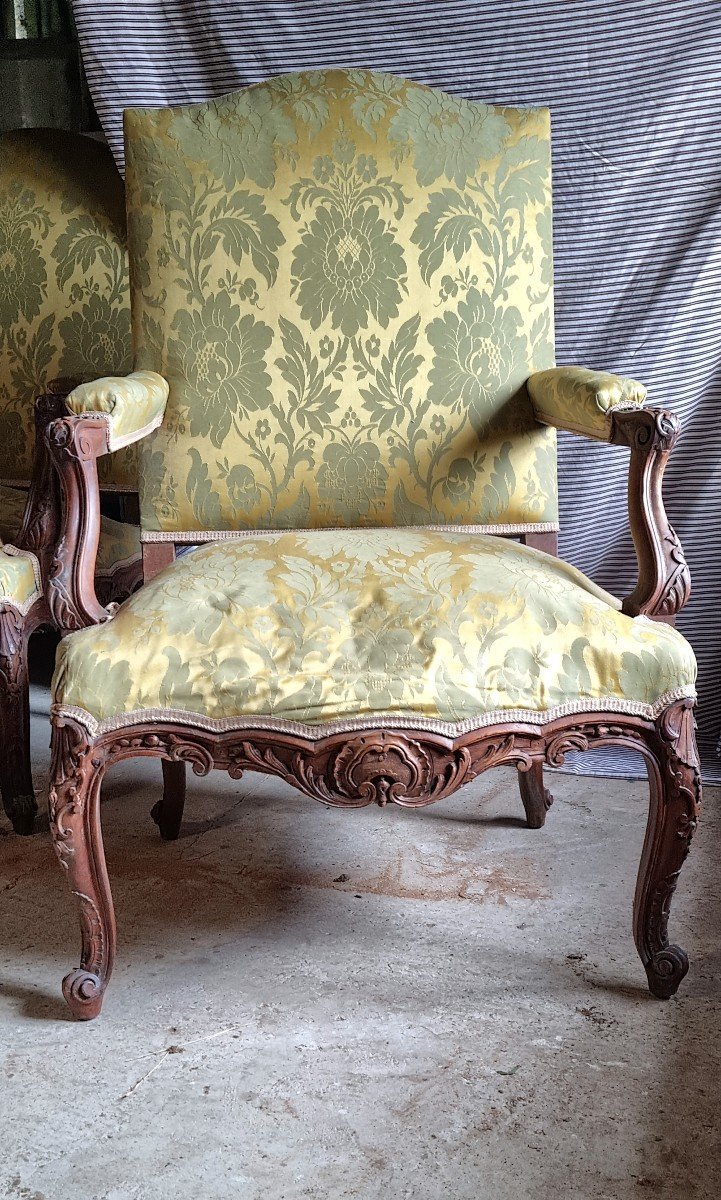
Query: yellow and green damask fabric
(64,300)
(346,279)
(582,401)
(133,404)
(12,511)
(323,625)
(18,579)
(119,544)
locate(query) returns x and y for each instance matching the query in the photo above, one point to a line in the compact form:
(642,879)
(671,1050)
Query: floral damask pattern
(222,356)
(478,358)
(344,278)
(22,268)
(449,137)
(64,302)
(348,265)
(94,336)
(318,626)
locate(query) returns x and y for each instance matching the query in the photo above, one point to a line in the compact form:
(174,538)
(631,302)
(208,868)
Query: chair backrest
(346,279)
(64,299)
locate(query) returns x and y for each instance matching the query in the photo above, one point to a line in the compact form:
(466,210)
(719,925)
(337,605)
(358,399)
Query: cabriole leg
(168,812)
(675,784)
(16,780)
(75,826)
(536,798)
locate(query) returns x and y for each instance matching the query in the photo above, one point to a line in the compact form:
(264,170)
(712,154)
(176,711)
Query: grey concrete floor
(374,1004)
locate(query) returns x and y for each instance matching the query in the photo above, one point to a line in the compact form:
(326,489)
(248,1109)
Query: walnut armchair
(346,281)
(64,314)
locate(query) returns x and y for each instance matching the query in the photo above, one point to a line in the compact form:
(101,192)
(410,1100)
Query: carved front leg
(16,780)
(76,776)
(675,783)
(536,798)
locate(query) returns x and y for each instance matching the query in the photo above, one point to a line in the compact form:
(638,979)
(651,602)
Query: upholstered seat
(19,578)
(319,626)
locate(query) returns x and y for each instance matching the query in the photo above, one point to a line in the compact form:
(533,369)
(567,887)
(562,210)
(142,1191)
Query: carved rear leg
(168,812)
(16,780)
(675,783)
(536,798)
(75,825)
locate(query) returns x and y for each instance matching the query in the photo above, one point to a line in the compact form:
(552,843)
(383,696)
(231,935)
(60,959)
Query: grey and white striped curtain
(635,94)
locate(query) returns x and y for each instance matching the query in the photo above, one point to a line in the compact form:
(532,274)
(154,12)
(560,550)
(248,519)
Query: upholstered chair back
(64,301)
(346,279)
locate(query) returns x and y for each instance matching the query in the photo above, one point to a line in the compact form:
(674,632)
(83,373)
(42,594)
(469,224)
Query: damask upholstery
(324,625)
(12,511)
(19,578)
(134,405)
(119,541)
(64,300)
(582,401)
(346,279)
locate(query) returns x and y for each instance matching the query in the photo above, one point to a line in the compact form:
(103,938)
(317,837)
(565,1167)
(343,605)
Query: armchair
(345,279)
(64,313)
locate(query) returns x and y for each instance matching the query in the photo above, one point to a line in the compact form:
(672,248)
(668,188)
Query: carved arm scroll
(664,581)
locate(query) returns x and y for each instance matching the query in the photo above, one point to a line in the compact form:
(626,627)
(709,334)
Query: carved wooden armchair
(346,280)
(64,313)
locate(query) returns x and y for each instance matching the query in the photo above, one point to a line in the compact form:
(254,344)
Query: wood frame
(380,763)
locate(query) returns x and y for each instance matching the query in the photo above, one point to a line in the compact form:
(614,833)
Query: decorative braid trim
(127,439)
(603,706)
(135,435)
(583,430)
(218,535)
(27,604)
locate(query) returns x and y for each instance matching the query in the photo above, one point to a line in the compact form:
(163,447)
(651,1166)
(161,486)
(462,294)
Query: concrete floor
(442,1005)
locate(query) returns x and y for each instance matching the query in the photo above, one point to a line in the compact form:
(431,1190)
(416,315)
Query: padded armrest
(132,406)
(582,401)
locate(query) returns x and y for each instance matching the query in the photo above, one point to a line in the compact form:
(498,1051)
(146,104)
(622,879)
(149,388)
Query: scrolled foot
(84,994)
(22,811)
(665,971)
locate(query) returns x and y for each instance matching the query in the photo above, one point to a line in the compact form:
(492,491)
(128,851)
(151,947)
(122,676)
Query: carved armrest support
(40,525)
(664,581)
(75,444)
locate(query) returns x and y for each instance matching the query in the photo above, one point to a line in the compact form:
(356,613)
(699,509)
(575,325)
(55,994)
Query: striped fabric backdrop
(635,94)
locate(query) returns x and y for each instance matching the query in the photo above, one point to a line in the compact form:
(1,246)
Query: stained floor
(373,1004)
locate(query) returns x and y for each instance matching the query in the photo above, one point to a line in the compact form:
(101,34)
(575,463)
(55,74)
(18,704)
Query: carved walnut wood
(16,780)
(40,525)
(382,766)
(664,582)
(75,444)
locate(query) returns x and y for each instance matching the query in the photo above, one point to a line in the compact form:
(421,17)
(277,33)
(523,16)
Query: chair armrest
(582,401)
(75,444)
(664,581)
(129,407)
(108,414)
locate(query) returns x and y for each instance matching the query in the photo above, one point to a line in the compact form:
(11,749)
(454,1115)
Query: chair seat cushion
(19,578)
(119,541)
(319,626)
